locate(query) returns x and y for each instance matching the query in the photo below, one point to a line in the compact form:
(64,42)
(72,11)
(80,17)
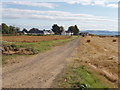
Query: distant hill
(99,32)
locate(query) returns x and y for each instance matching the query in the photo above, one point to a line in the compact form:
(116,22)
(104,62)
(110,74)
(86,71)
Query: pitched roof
(20,31)
(34,30)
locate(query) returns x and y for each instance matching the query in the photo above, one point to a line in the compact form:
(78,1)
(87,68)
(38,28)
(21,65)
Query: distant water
(113,33)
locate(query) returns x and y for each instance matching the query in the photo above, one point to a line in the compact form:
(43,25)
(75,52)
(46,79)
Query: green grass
(77,77)
(40,46)
(37,47)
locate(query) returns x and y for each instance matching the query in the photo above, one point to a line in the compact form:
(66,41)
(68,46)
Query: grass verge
(80,77)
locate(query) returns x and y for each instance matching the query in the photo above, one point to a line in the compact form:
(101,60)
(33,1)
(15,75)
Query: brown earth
(100,54)
(30,39)
(40,70)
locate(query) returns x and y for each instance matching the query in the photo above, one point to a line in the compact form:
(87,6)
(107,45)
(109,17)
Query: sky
(42,14)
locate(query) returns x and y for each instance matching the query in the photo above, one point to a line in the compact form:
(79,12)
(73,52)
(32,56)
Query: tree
(56,29)
(12,30)
(61,29)
(25,30)
(73,29)
(5,28)
(9,29)
(76,31)
(17,29)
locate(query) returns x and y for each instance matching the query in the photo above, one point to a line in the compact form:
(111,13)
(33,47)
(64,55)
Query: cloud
(34,4)
(105,3)
(86,21)
(44,3)
(113,5)
(12,13)
(0,11)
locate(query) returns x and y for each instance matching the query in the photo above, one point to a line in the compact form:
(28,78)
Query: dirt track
(40,70)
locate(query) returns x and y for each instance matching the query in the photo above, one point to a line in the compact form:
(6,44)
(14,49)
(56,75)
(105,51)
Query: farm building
(48,32)
(35,31)
(21,32)
(67,33)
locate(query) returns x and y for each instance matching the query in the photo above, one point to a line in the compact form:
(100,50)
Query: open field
(94,64)
(31,47)
(40,70)
(32,38)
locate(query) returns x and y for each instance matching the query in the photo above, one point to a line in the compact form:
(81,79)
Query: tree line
(9,29)
(59,29)
(55,28)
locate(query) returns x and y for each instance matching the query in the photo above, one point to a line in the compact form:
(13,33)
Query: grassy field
(36,47)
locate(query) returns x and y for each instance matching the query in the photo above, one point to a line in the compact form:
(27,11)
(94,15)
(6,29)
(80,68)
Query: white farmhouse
(67,33)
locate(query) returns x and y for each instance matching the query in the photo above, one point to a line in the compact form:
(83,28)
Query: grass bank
(80,77)
(36,47)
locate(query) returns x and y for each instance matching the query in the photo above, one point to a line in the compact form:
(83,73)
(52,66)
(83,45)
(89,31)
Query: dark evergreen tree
(56,29)
(61,29)
(5,28)
(73,29)
(25,30)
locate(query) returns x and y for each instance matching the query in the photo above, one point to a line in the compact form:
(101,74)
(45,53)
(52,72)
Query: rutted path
(40,70)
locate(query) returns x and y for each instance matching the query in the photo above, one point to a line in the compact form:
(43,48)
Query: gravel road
(40,70)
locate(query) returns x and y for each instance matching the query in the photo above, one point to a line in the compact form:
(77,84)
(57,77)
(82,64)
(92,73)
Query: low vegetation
(33,47)
(80,77)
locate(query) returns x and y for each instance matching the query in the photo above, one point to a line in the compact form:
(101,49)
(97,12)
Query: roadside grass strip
(80,77)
